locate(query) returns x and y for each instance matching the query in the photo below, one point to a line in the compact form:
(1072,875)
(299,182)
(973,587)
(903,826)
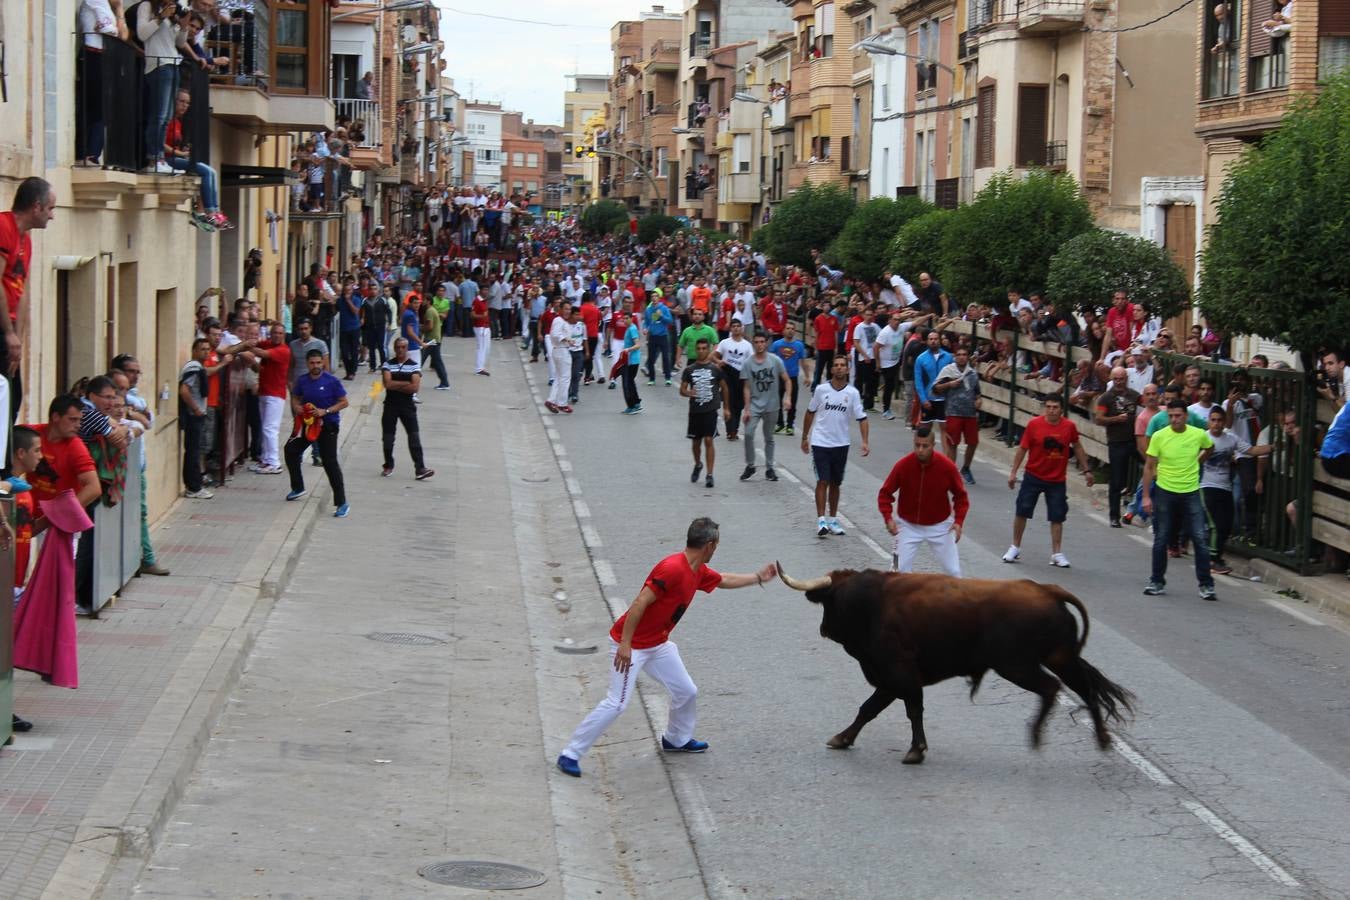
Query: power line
(1153,21)
(482,15)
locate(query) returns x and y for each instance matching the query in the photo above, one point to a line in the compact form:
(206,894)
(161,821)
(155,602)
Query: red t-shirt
(1119,323)
(1048,447)
(24,514)
(478,313)
(212,381)
(724,314)
(62,465)
(618,325)
(853,324)
(590,317)
(827,332)
(772,315)
(276,365)
(673,583)
(546,320)
(639,293)
(18,253)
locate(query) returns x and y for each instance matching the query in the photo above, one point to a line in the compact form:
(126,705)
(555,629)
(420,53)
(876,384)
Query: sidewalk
(96,777)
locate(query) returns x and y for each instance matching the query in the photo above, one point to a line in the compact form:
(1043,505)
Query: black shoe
(20,726)
(770,475)
(708,482)
(749,471)
(698,469)
(1115,523)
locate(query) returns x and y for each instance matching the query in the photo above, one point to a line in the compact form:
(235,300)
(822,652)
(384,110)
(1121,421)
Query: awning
(232,176)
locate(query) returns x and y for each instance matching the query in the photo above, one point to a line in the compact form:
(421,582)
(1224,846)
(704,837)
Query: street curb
(153,770)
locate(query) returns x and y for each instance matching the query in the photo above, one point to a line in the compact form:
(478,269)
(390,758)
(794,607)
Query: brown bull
(912,630)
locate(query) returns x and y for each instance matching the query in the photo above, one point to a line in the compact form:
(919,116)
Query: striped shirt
(92,422)
(404,372)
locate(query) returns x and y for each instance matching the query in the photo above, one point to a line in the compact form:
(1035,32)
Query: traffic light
(584,152)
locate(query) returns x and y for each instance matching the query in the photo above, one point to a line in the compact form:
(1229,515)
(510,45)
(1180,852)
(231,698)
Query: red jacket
(924,490)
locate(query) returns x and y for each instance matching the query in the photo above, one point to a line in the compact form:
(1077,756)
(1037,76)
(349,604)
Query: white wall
(887,161)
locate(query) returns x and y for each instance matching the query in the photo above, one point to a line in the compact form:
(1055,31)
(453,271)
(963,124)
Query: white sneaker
(822,526)
(163,168)
(203,494)
(270,470)
(835,527)
(1059,560)
(888,415)
(1013,555)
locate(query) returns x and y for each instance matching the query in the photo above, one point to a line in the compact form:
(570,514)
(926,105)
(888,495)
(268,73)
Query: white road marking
(1291,611)
(582,510)
(565,465)
(1241,844)
(573,486)
(604,572)
(591,537)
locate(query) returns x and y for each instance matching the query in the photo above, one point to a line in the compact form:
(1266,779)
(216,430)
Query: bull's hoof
(839,742)
(913,757)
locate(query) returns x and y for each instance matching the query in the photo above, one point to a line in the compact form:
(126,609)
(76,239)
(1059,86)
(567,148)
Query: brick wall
(1099,119)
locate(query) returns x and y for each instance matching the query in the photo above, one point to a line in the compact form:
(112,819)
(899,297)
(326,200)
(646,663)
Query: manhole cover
(484,876)
(405,637)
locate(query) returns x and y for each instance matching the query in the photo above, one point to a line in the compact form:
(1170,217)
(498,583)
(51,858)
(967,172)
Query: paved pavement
(342,764)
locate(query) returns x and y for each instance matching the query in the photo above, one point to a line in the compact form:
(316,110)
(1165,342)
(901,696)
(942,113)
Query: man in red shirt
(925,481)
(34,206)
(827,339)
(275,356)
(725,309)
(1119,320)
(66,464)
(590,317)
(772,314)
(641,640)
(1045,447)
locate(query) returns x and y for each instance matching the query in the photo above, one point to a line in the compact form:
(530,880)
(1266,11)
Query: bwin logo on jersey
(835,407)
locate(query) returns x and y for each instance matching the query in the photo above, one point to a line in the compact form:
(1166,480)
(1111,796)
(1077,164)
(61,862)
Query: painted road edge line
(1241,844)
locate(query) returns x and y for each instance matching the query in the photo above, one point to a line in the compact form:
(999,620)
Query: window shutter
(1258,42)
(1333,17)
(1032,119)
(984,144)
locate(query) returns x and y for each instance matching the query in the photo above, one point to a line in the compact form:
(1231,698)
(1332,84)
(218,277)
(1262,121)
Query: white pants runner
(482,344)
(560,363)
(271,408)
(663,663)
(939,537)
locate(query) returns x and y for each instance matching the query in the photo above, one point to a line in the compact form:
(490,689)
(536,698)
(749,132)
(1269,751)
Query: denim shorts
(1056,498)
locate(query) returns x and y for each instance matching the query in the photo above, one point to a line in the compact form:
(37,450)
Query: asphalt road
(1230,783)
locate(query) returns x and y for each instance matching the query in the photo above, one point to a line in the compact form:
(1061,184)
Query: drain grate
(407,638)
(483,876)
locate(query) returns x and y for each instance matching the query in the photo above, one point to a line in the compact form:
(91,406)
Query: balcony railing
(1057,155)
(700,45)
(244,42)
(365,113)
(109,113)
(1033,16)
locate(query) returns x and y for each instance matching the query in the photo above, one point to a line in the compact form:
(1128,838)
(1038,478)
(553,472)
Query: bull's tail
(1111,700)
(1065,597)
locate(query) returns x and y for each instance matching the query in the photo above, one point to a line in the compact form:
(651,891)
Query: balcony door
(346,73)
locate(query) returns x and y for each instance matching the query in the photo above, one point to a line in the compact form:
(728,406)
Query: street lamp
(746,97)
(416,49)
(388,7)
(880,48)
(680,129)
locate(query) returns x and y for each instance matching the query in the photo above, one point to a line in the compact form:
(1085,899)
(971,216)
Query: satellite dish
(409,34)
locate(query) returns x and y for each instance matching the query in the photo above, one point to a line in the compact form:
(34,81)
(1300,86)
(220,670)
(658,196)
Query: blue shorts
(829,463)
(1056,498)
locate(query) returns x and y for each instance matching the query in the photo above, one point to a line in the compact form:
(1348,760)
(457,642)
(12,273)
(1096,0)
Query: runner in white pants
(641,640)
(560,359)
(932,505)
(482,334)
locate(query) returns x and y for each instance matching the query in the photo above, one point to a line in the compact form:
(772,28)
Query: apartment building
(887,140)
(583,106)
(642,106)
(482,152)
(551,136)
(523,162)
(720,39)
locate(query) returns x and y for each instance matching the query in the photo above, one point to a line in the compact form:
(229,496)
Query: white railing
(367,112)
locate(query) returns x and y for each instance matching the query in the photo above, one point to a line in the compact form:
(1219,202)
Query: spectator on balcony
(192,39)
(96,20)
(365,88)
(1280,24)
(157,30)
(1223,29)
(178,153)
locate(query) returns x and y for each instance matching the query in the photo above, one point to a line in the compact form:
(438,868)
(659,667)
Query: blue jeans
(1184,513)
(658,344)
(159,90)
(210,193)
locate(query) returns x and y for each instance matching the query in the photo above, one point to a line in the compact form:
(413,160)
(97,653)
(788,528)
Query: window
(862,28)
(920,169)
(345,75)
(884,81)
(1333,56)
(1222,29)
(532,160)
(491,157)
(291,52)
(477,128)
(1033,104)
(926,72)
(517,187)
(1268,60)
(985,110)
(531,186)
(824,147)
(517,159)
(824,31)
(740,153)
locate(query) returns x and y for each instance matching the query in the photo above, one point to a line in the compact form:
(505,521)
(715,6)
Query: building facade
(641,110)
(584,106)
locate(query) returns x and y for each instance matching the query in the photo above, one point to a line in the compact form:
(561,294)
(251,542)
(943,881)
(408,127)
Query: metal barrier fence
(232,418)
(117,535)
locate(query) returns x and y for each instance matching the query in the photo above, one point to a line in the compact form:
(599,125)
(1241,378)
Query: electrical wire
(482,15)
(1152,21)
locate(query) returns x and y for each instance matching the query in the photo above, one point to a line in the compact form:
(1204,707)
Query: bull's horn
(813,585)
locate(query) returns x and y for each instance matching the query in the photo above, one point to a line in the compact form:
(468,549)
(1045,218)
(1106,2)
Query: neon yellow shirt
(1178,455)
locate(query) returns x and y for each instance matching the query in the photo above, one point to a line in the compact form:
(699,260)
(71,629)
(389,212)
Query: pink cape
(44,623)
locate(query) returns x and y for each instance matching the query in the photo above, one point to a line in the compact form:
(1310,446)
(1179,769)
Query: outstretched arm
(733,580)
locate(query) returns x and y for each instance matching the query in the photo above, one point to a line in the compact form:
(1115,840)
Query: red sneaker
(551,406)
(566,409)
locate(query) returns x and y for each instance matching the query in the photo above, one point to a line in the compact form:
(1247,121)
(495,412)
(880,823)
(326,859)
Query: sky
(525,65)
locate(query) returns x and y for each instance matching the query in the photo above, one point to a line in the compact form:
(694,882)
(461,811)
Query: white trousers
(271,409)
(663,663)
(561,365)
(939,537)
(616,346)
(482,338)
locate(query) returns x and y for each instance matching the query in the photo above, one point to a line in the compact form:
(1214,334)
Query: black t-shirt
(403,372)
(913,350)
(705,379)
(930,298)
(1120,403)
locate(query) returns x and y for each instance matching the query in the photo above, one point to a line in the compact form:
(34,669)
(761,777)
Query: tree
(808,220)
(1006,237)
(917,246)
(651,227)
(861,247)
(600,218)
(1276,263)
(1088,269)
